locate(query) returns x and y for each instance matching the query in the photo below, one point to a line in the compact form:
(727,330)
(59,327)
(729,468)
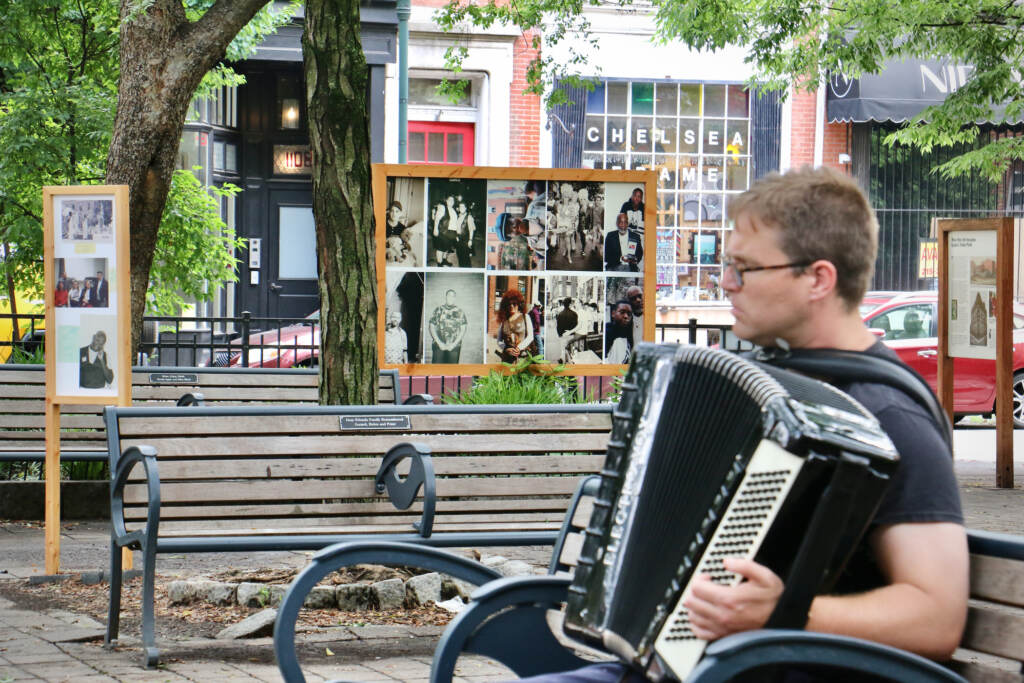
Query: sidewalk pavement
(62,646)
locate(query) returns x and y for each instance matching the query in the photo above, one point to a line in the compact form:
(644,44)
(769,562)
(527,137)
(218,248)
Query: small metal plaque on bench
(374,422)
(173,378)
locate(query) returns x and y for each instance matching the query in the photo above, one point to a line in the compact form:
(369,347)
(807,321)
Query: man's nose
(729,281)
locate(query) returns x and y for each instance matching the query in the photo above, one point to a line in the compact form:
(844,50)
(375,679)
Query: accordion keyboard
(746,521)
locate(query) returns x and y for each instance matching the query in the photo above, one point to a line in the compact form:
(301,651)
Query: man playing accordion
(799,259)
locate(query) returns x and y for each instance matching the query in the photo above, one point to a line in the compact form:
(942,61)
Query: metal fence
(907,192)
(247,341)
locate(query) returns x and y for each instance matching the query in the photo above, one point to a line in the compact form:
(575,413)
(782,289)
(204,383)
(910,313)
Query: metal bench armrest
(131,457)
(506,620)
(735,654)
(341,555)
(402,492)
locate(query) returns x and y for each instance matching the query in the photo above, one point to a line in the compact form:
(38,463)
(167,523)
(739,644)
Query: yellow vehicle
(25,305)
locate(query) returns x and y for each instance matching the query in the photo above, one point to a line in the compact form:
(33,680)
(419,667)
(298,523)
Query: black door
(292,268)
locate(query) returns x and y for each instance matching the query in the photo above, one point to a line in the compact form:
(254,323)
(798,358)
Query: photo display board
(88,350)
(481,265)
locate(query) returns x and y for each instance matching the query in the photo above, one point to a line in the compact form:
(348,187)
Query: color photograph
(516,220)
(81,283)
(515,320)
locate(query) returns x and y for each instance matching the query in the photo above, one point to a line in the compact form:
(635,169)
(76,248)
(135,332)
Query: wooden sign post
(88,317)
(976,316)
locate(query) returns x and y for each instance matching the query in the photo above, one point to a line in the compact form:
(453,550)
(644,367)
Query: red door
(434,142)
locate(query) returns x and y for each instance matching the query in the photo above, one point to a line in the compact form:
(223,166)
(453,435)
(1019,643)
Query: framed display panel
(88,350)
(481,265)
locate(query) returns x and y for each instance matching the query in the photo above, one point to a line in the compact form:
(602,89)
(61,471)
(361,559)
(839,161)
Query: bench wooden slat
(984,671)
(367,467)
(37,407)
(209,492)
(367,444)
(138,427)
(995,629)
(371,529)
(66,422)
(997,579)
(380,506)
(269,393)
(238,378)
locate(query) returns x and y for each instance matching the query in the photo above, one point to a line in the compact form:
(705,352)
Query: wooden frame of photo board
(118,276)
(383,172)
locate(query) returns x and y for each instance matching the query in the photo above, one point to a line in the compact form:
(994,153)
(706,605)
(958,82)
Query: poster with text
(972,294)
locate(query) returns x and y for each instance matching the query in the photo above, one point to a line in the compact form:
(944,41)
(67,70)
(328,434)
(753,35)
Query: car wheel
(1018,399)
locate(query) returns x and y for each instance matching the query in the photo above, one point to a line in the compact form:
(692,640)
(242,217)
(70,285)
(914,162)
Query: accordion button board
(765,485)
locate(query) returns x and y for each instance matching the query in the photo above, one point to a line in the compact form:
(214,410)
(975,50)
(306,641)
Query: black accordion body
(714,456)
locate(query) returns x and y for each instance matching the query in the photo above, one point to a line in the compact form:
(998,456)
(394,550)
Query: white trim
(819,124)
(786,132)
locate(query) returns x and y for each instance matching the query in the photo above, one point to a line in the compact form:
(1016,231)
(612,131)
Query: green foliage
(84,471)
(797,42)
(58,94)
(35,356)
(529,380)
(194,245)
(58,86)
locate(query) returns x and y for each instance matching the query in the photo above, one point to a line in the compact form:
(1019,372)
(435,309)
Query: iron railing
(247,341)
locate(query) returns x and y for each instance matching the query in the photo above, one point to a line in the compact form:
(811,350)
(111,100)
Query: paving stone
(419,590)
(389,594)
(320,597)
(347,672)
(259,624)
(353,597)
(70,670)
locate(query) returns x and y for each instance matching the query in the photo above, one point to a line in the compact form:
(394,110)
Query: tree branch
(210,36)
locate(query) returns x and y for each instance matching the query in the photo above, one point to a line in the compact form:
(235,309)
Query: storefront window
(696,136)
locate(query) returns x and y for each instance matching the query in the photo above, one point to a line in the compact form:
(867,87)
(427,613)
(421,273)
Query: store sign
(928,259)
(645,136)
(293,160)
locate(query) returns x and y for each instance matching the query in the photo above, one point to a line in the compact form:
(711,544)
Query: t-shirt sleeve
(924,488)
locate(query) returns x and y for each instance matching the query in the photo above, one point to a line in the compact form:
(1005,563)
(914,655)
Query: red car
(294,346)
(908,324)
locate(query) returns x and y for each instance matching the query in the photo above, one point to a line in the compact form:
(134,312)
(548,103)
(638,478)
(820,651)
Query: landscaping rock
(255,626)
(216,592)
(423,589)
(353,597)
(320,597)
(389,594)
(493,561)
(514,568)
(260,594)
(181,592)
(455,605)
(456,588)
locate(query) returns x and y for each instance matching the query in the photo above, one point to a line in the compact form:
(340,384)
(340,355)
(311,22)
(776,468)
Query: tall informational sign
(976,316)
(478,266)
(88,330)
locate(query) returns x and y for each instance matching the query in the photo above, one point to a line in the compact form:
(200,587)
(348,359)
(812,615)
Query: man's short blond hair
(820,214)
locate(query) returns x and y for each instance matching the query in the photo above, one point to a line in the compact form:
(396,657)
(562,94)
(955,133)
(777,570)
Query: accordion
(714,456)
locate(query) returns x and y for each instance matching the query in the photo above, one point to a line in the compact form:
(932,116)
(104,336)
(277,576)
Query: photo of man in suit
(101,291)
(623,247)
(93,370)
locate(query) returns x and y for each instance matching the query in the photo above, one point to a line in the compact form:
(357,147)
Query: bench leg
(150,654)
(114,607)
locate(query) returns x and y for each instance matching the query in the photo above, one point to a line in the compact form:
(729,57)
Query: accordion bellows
(714,456)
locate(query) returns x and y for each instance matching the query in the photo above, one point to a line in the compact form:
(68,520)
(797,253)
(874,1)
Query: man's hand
(717,610)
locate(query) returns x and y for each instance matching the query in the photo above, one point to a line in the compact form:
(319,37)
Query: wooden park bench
(253,478)
(23,402)
(506,621)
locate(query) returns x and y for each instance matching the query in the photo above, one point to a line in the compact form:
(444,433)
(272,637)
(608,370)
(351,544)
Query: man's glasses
(737,272)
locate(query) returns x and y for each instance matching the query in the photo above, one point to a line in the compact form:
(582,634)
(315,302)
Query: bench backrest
(995,617)
(301,469)
(23,394)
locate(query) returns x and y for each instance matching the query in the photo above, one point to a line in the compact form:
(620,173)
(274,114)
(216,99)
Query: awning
(901,90)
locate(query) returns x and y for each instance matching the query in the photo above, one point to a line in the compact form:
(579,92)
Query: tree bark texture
(164,56)
(336,92)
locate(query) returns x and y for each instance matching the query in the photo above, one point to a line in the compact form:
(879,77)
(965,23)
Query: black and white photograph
(86,220)
(628,199)
(405,230)
(403,317)
(453,318)
(81,283)
(515,319)
(575,216)
(623,230)
(516,220)
(455,232)
(97,352)
(623,318)
(573,329)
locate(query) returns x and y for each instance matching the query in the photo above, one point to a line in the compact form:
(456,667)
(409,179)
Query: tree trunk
(164,57)
(336,87)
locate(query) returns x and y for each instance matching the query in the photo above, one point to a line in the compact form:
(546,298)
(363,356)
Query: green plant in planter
(529,380)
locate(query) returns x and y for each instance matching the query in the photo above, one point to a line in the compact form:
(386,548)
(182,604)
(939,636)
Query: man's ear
(824,280)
